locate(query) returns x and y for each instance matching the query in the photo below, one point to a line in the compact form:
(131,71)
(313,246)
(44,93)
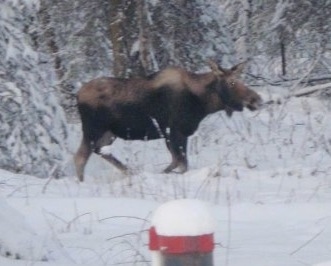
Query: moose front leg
(177,145)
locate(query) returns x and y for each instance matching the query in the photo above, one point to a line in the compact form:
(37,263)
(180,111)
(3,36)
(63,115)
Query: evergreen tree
(32,123)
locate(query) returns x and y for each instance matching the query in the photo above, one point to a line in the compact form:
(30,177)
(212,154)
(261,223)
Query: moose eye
(231,83)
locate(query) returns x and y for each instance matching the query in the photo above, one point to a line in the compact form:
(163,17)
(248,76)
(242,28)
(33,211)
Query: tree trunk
(283,55)
(145,46)
(50,41)
(117,37)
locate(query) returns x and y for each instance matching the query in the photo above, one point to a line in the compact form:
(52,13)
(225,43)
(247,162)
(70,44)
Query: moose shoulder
(169,104)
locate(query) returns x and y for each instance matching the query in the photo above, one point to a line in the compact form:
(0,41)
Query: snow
(264,176)
(184,217)
(135,48)
(25,244)
(278,17)
(86,224)
(105,150)
(324,264)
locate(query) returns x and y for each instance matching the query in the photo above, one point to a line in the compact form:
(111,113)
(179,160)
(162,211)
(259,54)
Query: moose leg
(107,139)
(177,144)
(83,153)
(114,161)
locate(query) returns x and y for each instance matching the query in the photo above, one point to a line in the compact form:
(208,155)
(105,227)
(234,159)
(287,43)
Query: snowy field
(266,175)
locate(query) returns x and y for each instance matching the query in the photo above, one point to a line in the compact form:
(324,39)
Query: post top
(184,217)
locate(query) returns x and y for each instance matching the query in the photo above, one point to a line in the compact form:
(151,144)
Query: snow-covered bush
(32,123)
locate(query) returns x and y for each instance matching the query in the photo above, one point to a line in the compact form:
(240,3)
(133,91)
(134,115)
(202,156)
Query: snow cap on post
(181,229)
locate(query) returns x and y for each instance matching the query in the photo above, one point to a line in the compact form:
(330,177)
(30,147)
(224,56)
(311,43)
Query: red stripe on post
(181,244)
(153,239)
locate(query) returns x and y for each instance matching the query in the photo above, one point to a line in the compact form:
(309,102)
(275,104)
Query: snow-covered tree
(283,38)
(76,36)
(90,38)
(187,33)
(32,123)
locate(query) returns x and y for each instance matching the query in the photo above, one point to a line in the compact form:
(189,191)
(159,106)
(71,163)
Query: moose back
(170,104)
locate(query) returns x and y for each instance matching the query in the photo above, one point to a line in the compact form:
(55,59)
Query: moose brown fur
(169,104)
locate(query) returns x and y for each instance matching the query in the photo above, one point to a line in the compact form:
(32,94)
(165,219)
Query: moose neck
(210,96)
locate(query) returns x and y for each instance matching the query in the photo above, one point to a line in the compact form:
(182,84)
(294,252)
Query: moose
(169,104)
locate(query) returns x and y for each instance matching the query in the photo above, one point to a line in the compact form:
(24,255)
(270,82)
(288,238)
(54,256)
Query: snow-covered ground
(267,176)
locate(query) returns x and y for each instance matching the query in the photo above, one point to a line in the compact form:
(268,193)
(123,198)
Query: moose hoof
(182,168)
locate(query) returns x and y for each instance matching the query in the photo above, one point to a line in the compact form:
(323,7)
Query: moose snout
(254,103)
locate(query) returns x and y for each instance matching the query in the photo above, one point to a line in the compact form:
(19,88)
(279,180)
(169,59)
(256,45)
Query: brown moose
(170,104)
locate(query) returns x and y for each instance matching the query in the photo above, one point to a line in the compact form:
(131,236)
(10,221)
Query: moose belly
(137,127)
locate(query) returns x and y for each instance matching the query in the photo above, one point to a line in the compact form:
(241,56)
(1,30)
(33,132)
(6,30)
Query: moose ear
(217,70)
(237,69)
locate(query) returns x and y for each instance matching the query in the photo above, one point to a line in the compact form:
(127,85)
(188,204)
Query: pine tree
(32,124)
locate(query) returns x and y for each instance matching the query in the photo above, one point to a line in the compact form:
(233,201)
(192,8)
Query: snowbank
(17,239)
(324,264)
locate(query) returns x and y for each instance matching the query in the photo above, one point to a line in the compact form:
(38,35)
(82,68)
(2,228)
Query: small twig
(299,81)
(128,234)
(70,222)
(229,227)
(129,217)
(312,89)
(307,243)
(50,178)
(75,219)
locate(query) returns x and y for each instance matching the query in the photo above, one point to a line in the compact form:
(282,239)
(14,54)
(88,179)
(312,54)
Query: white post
(182,233)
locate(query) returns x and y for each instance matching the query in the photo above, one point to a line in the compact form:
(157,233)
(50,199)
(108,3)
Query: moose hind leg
(107,139)
(177,145)
(114,161)
(82,155)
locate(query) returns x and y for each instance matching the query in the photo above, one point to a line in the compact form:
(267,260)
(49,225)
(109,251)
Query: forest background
(49,48)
